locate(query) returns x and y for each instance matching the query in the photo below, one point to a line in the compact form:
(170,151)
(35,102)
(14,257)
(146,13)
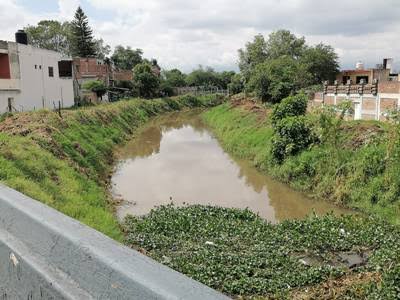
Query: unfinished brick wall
(369,104)
(329,100)
(388,104)
(389,87)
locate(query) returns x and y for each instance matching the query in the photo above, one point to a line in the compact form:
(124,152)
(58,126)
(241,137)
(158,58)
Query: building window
(35,67)
(345,79)
(40,67)
(65,68)
(359,78)
(51,72)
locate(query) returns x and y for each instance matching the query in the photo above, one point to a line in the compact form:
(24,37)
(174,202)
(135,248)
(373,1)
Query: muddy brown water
(176,158)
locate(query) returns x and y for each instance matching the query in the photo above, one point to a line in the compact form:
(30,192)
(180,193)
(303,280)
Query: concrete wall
(47,255)
(36,88)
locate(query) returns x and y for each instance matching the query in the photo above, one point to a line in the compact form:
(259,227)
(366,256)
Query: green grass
(65,162)
(360,172)
(240,254)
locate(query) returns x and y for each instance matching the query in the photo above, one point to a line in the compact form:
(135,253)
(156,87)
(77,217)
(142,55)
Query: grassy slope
(357,173)
(31,145)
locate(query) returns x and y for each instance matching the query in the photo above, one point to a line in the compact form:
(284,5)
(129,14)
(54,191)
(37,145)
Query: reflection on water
(176,159)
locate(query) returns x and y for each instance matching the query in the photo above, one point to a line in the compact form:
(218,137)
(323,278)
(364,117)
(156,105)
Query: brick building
(373,92)
(88,69)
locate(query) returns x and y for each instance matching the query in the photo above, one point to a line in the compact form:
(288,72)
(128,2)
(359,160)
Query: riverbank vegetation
(351,163)
(65,162)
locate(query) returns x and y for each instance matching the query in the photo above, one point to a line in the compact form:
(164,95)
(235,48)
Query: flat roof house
(33,78)
(374,93)
(91,68)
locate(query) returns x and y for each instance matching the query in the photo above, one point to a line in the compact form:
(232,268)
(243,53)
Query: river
(175,158)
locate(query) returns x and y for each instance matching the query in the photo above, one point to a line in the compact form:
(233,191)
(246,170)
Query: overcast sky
(186,33)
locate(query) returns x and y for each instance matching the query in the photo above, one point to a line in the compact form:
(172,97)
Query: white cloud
(67,8)
(186,33)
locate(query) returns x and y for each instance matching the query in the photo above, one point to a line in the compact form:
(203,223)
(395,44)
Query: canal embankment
(319,257)
(65,161)
(350,163)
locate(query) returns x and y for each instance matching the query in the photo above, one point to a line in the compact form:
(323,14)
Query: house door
(357,111)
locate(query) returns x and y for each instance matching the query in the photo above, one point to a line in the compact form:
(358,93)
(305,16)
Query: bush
(96,86)
(292,135)
(289,107)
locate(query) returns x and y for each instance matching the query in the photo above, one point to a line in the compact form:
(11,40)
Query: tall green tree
(284,43)
(145,80)
(225,78)
(236,85)
(279,66)
(126,58)
(83,43)
(205,77)
(321,62)
(276,79)
(102,49)
(174,77)
(51,35)
(254,53)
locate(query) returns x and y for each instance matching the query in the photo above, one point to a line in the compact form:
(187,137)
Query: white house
(33,78)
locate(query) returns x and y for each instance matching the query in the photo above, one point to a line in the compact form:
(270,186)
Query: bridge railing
(47,255)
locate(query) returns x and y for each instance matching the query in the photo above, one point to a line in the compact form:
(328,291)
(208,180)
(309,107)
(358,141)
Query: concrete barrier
(47,255)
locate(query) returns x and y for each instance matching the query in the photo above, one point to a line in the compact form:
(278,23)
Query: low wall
(47,255)
(372,102)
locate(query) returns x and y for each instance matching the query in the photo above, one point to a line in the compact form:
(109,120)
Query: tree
(126,58)
(254,53)
(96,86)
(278,67)
(171,79)
(174,77)
(205,77)
(284,43)
(146,81)
(321,62)
(276,79)
(225,78)
(236,85)
(83,44)
(102,49)
(51,35)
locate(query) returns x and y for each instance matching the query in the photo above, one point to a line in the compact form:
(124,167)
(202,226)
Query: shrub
(289,107)
(96,86)
(292,135)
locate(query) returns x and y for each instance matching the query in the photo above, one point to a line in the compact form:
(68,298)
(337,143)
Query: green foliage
(174,78)
(96,86)
(240,254)
(352,163)
(276,79)
(205,77)
(126,58)
(147,82)
(102,49)
(321,62)
(83,44)
(255,53)
(51,35)
(289,107)
(284,43)
(292,135)
(170,80)
(280,66)
(236,85)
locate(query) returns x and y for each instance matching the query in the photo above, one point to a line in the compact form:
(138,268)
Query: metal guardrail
(47,255)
